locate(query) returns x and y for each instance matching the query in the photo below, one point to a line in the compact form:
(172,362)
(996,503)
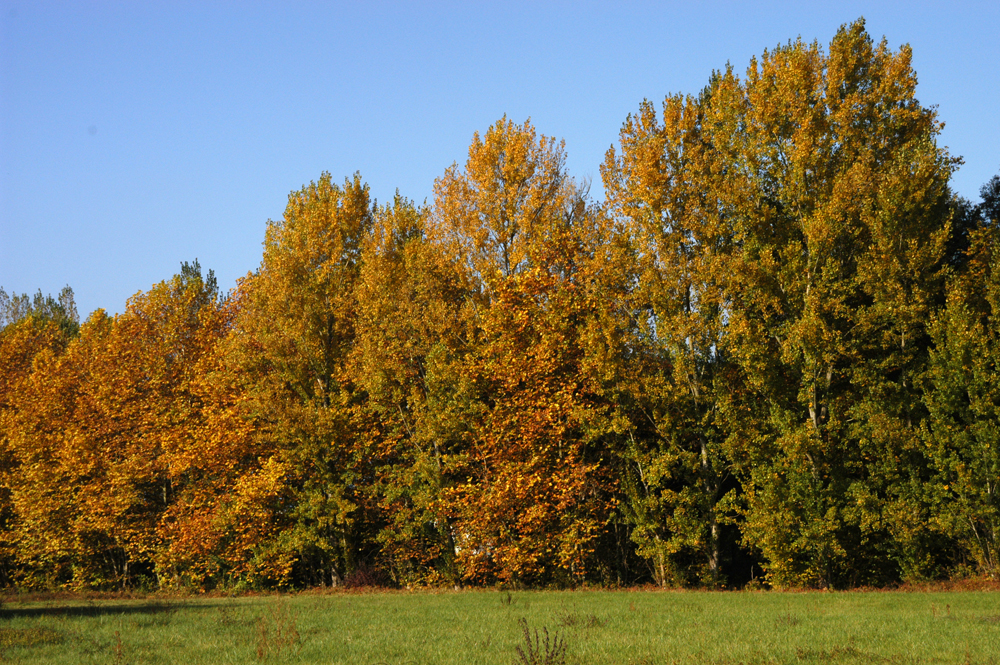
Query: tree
(989,209)
(494,214)
(837,203)
(97,432)
(967,219)
(809,202)
(411,348)
(962,395)
(61,310)
(531,504)
(300,511)
(21,342)
(673,463)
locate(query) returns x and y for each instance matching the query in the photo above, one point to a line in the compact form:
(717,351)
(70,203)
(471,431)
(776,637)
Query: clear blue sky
(136,135)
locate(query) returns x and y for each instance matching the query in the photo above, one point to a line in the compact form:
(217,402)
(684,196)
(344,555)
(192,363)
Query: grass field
(485,627)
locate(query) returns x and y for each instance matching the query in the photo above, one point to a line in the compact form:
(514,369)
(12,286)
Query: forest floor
(487,627)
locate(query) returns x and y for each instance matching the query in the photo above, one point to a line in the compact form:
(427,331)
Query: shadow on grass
(102,609)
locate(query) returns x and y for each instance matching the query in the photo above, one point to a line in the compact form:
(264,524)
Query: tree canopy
(771,354)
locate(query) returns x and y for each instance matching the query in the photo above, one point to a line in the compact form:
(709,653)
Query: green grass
(482,627)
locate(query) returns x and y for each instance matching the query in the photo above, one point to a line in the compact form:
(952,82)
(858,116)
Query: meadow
(487,627)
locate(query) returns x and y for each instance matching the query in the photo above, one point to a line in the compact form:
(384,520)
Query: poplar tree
(300,511)
(811,198)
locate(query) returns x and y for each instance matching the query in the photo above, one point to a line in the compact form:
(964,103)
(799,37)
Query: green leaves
(790,229)
(962,432)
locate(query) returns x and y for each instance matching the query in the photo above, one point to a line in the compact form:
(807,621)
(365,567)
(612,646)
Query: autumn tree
(93,430)
(530,505)
(29,327)
(673,463)
(810,203)
(292,351)
(22,340)
(412,343)
(962,395)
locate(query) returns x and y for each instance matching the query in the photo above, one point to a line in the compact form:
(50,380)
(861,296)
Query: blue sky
(136,135)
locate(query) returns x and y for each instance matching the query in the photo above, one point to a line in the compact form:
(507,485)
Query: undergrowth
(277,632)
(544,651)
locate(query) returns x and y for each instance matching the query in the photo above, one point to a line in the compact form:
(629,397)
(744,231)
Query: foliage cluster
(772,352)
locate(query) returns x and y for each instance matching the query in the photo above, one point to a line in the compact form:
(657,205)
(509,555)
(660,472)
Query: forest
(770,356)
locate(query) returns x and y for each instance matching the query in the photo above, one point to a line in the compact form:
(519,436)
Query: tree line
(770,355)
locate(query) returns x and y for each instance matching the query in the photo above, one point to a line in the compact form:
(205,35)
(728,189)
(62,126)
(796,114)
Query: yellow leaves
(254,491)
(496,214)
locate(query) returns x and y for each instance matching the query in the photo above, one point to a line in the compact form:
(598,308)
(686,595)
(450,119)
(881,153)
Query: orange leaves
(530,458)
(96,429)
(522,235)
